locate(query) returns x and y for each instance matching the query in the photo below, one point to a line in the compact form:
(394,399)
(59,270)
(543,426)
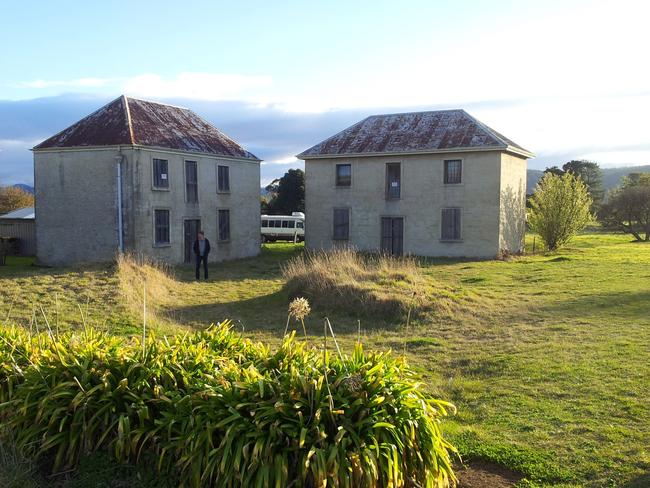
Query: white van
(283,227)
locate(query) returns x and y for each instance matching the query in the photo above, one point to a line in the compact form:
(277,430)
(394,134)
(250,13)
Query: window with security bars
(223,223)
(341,223)
(223,179)
(453,171)
(161,226)
(191,182)
(393,181)
(160,173)
(450,226)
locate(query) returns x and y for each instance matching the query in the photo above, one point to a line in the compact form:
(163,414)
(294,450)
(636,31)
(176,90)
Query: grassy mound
(370,284)
(219,410)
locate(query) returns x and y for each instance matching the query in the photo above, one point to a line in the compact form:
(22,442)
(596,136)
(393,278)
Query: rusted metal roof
(130,121)
(439,131)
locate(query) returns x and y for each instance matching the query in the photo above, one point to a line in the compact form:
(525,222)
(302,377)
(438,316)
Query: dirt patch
(482,474)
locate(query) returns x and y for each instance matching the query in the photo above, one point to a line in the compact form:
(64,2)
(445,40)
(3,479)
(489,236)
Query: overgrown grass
(545,356)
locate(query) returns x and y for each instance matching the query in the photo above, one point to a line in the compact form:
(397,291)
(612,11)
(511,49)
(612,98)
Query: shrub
(346,280)
(560,208)
(219,410)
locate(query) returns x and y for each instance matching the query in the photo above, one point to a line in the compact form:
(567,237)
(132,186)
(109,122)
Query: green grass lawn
(548,359)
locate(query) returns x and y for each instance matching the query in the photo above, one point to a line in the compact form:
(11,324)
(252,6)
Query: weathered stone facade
(491,197)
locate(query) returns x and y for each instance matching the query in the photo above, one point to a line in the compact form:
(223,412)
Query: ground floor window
(450,227)
(392,235)
(341,223)
(223,224)
(161,227)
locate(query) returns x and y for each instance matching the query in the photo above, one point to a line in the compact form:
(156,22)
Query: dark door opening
(191,230)
(392,235)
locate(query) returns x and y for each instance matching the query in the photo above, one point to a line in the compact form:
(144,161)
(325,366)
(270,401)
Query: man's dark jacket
(207,247)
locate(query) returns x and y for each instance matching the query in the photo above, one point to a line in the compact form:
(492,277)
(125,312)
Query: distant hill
(611,176)
(26,188)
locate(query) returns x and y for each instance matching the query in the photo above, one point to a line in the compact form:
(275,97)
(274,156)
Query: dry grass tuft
(138,273)
(348,281)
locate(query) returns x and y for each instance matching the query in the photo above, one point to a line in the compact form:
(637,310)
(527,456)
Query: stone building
(144,177)
(427,183)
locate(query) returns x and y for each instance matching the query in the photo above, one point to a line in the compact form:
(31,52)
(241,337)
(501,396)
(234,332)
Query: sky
(565,79)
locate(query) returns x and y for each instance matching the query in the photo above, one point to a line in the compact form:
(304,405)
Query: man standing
(201,250)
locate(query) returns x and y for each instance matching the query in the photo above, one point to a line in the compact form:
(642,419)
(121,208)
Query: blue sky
(565,79)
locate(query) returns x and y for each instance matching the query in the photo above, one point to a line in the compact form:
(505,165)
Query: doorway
(191,230)
(392,235)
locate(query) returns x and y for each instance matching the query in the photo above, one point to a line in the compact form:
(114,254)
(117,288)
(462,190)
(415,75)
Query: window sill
(162,244)
(451,241)
(223,192)
(340,238)
(227,241)
(159,188)
(342,187)
(453,184)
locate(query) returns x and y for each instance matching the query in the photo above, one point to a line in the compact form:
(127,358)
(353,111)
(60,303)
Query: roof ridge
(491,132)
(157,102)
(129,123)
(418,112)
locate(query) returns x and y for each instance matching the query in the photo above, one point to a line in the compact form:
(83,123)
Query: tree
(12,198)
(554,170)
(560,208)
(592,176)
(290,194)
(628,207)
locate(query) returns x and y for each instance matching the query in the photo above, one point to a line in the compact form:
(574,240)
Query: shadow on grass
(642,481)
(627,303)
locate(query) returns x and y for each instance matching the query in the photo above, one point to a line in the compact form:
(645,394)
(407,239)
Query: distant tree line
(285,195)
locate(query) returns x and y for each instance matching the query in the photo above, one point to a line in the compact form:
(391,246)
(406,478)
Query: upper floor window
(160,173)
(450,225)
(223,223)
(161,227)
(453,171)
(223,179)
(393,181)
(341,223)
(343,175)
(191,182)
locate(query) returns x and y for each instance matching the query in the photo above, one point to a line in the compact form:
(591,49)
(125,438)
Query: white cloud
(285,160)
(68,84)
(203,86)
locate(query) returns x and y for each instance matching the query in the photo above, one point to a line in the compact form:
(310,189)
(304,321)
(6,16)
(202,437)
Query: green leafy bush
(219,410)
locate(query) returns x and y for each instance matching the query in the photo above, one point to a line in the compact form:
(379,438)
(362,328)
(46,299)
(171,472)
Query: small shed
(19,224)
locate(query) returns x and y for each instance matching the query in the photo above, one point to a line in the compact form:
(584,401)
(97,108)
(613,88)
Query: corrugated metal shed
(129,121)
(436,131)
(20,224)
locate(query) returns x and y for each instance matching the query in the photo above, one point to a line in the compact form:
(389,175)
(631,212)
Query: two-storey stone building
(427,183)
(144,177)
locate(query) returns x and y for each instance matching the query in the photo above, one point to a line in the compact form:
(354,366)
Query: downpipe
(120,224)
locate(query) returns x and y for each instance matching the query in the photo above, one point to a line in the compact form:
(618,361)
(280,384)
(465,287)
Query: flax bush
(219,410)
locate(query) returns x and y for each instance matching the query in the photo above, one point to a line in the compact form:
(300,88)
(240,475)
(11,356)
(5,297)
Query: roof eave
(511,149)
(254,159)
